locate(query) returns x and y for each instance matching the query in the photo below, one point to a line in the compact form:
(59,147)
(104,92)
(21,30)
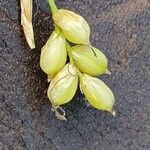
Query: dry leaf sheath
(26,21)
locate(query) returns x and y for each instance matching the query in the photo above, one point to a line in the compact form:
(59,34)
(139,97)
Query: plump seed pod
(53,54)
(97,93)
(63,86)
(89,60)
(74,27)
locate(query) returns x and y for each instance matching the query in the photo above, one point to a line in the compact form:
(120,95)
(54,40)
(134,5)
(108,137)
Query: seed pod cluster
(86,62)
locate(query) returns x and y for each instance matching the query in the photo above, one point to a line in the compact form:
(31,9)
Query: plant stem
(52,5)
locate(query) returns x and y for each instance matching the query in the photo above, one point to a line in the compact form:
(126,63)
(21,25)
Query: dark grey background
(121,28)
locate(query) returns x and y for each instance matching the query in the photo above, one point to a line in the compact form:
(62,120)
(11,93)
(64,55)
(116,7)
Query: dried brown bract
(26,21)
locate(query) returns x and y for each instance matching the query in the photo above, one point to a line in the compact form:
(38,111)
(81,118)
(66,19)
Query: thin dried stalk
(26,21)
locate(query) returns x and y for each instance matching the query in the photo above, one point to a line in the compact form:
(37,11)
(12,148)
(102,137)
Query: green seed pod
(74,27)
(63,86)
(97,93)
(89,60)
(53,54)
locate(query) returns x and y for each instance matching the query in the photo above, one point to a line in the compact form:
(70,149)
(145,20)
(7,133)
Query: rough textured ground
(121,28)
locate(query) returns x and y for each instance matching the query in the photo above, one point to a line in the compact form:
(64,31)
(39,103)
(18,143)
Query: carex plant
(85,63)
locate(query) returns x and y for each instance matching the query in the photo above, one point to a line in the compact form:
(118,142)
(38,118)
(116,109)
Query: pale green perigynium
(74,27)
(63,86)
(89,60)
(53,54)
(97,93)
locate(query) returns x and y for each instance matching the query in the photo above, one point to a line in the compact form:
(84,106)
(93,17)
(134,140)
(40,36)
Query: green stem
(54,8)
(52,5)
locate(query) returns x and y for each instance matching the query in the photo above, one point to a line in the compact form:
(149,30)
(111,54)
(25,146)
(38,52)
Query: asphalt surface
(121,29)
